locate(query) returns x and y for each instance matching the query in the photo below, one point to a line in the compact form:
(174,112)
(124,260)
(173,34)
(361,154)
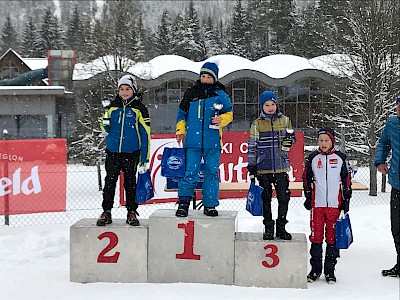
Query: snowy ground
(35,265)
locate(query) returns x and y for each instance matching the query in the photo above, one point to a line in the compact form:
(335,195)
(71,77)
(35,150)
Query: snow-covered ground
(35,265)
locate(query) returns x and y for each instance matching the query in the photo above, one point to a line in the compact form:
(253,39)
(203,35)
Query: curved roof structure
(274,67)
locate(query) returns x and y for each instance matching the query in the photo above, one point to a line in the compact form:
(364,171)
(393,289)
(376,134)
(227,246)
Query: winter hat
(267,95)
(329,132)
(211,69)
(397,99)
(128,80)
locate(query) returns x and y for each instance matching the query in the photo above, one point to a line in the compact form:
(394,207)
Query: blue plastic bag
(254,200)
(144,188)
(344,234)
(173,163)
(172,183)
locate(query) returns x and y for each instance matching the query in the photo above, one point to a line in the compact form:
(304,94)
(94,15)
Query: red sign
(233,164)
(32,176)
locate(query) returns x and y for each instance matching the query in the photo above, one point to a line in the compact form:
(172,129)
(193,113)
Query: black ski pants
(395,220)
(281,183)
(115,162)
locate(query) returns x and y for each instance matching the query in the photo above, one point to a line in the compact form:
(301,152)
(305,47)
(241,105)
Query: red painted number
(188,242)
(272,256)
(109,259)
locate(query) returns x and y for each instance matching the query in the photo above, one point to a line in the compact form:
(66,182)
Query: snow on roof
(274,66)
(35,63)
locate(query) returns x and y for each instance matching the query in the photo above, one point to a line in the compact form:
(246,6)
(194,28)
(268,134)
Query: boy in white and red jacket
(327,188)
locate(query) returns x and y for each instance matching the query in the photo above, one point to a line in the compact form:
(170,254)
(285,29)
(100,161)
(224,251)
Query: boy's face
(269,107)
(206,79)
(398,109)
(125,92)
(324,142)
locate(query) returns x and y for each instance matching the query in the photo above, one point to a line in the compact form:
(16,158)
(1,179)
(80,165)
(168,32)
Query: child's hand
(180,138)
(307,203)
(216,120)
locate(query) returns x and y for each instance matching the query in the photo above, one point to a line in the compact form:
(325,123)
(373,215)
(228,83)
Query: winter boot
(210,211)
(393,272)
(105,218)
(331,256)
(131,218)
(315,261)
(281,233)
(183,209)
(269,230)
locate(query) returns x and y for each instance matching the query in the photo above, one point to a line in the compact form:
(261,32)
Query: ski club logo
(333,161)
(319,164)
(250,197)
(174,162)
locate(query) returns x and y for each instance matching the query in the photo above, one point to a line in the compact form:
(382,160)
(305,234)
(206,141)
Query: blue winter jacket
(129,128)
(195,112)
(390,140)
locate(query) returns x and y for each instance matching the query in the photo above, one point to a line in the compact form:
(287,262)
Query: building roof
(275,66)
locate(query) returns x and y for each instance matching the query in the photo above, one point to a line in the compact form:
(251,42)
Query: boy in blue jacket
(390,141)
(203,111)
(127,144)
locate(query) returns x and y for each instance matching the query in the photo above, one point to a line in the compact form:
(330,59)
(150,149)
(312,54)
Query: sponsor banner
(233,164)
(32,176)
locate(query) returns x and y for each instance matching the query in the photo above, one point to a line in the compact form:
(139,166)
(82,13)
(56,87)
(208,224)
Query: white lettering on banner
(226,148)
(243,147)
(238,168)
(32,181)
(11,157)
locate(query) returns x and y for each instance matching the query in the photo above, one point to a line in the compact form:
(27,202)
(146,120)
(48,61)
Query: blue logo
(174,162)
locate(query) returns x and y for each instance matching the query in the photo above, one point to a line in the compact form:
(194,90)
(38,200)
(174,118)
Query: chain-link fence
(84,197)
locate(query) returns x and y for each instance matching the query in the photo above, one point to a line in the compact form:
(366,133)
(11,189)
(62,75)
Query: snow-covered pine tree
(211,38)
(50,34)
(239,42)
(164,36)
(30,38)
(372,67)
(75,38)
(9,36)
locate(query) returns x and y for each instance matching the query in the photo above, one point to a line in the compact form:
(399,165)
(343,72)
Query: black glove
(287,142)
(347,192)
(307,203)
(252,170)
(345,205)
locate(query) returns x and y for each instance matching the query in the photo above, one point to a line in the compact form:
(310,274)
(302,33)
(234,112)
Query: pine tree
(75,34)
(164,36)
(30,38)
(211,38)
(239,43)
(9,36)
(51,36)
(281,15)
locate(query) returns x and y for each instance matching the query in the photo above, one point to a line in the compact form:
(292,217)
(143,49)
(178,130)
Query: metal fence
(84,199)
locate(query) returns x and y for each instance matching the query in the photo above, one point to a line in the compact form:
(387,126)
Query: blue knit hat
(397,99)
(211,69)
(267,95)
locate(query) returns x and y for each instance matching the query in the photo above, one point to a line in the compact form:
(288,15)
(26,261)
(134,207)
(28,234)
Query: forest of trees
(254,29)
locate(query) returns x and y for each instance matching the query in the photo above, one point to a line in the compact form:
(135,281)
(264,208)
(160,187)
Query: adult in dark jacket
(203,111)
(127,125)
(390,142)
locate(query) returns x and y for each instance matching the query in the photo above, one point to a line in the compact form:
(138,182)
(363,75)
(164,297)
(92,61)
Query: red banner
(232,165)
(32,176)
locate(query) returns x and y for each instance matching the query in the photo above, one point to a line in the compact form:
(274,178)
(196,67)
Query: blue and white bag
(144,187)
(344,233)
(254,200)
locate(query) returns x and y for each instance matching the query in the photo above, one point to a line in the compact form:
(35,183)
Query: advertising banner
(32,176)
(233,164)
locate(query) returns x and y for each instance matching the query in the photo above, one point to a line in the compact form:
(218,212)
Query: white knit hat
(128,80)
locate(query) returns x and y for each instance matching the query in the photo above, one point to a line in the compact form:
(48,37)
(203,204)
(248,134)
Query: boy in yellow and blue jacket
(127,145)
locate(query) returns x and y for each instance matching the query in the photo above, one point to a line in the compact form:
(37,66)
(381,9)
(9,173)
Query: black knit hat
(329,132)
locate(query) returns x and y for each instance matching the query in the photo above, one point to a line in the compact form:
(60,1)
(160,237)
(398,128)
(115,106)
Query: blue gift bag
(172,183)
(173,163)
(254,200)
(344,234)
(144,188)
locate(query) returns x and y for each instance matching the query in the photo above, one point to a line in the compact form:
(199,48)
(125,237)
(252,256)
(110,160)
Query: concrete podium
(113,253)
(273,264)
(198,248)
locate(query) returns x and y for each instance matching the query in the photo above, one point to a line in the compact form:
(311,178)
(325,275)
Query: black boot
(281,232)
(105,218)
(393,272)
(210,211)
(131,218)
(269,230)
(315,261)
(183,209)
(330,262)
